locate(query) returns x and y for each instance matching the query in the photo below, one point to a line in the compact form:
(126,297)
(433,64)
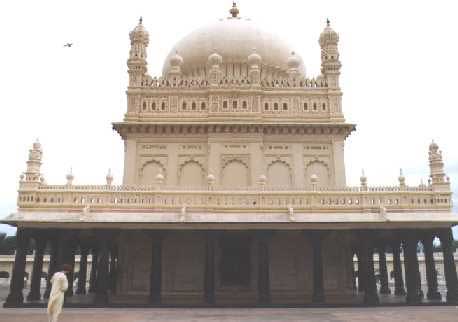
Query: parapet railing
(351,199)
(185,82)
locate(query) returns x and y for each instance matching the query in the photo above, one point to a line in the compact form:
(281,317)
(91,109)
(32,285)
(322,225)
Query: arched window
(153,106)
(285,106)
(202,106)
(266,106)
(314,106)
(244,104)
(276,106)
(144,105)
(306,107)
(193,106)
(324,106)
(234,105)
(225,104)
(184,105)
(163,106)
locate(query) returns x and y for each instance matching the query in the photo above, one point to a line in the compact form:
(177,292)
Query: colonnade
(408,242)
(63,246)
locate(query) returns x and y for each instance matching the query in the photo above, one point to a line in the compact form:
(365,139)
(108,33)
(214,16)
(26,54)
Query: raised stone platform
(437,314)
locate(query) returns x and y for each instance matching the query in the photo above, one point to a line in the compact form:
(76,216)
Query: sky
(400,63)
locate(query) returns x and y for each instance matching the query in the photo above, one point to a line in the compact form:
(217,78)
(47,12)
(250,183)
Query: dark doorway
(235,260)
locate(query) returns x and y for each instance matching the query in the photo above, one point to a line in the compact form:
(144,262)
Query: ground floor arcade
(234,267)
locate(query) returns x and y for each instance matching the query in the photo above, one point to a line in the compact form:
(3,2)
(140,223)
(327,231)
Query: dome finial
(234,10)
(140,20)
(328,22)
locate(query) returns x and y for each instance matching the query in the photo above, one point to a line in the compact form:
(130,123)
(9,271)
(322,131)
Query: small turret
(137,63)
(175,66)
(363,181)
(330,63)
(402,180)
(109,178)
(32,177)
(439,181)
(294,62)
(214,61)
(70,177)
(254,65)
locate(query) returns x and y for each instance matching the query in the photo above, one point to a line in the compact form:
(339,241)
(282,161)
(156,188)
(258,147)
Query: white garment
(56,298)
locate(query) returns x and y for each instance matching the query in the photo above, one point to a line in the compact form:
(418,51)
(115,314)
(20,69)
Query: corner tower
(139,39)
(330,62)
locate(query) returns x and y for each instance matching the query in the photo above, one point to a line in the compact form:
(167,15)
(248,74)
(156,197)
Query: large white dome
(234,39)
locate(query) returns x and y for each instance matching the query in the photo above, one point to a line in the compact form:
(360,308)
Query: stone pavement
(382,314)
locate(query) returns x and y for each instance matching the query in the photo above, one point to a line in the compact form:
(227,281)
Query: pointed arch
(235,174)
(149,171)
(191,174)
(279,174)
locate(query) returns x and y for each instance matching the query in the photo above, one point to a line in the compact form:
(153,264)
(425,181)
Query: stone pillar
(446,239)
(397,268)
(209,278)
(353,272)
(103,278)
(34,294)
(411,268)
(156,268)
(15,297)
(113,267)
(316,238)
(263,241)
(53,262)
(370,291)
(81,288)
(431,275)
(384,289)
(93,277)
(362,270)
(69,256)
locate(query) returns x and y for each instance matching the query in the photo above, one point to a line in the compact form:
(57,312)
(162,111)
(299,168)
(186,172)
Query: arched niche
(235,174)
(321,170)
(191,174)
(279,174)
(149,171)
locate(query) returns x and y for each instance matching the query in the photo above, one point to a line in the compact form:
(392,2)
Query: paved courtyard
(383,314)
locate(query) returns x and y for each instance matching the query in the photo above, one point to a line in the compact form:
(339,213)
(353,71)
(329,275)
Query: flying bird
(69,44)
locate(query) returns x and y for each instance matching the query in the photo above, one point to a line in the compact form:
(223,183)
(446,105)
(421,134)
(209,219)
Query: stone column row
(62,246)
(409,244)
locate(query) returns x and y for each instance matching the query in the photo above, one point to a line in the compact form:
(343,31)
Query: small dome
(328,35)
(139,33)
(254,58)
(37,145)
(433,147)
(176,60)
(294,61)
(215,59)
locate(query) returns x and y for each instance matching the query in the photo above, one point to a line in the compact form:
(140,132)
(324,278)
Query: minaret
(439,181)
(330,63)
(32,176)
(137,64)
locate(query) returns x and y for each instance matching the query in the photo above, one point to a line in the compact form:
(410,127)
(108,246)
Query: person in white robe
(56,297)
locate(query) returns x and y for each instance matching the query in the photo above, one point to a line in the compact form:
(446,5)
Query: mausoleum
(234,189)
